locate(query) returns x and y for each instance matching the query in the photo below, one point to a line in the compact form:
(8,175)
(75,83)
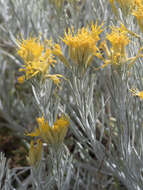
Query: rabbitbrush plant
(71,90)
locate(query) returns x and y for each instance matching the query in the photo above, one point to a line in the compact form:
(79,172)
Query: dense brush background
(104,145)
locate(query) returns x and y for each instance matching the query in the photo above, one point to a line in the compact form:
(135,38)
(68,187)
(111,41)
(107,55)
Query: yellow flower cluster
(118,39)
(35,153)
(58,52)
(136,92)
(37,58)
(82,45)
(52,135)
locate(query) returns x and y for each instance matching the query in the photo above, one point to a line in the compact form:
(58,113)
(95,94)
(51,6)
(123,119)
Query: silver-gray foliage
(106,133)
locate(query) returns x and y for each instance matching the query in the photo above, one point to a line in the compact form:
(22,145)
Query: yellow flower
(137,3)
(136,92)
(30,49)
(35,153)
(52,135)
(37,58)
(95,31)
(140,94)
(119,40)
(56,78)
(58,52)
(82,45)
(21,79)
